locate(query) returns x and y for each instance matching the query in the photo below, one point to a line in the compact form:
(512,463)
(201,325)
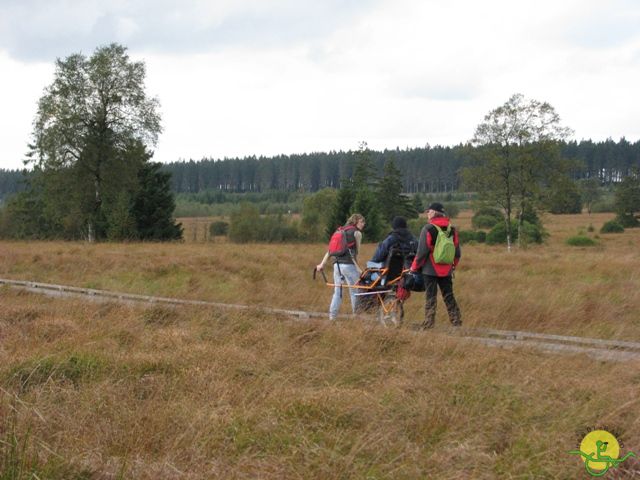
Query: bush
(581,241)
(486,217)
(467,236)
(484,221)
(247,225)
(530,233)
(627,220)
(612,226)
(218,227)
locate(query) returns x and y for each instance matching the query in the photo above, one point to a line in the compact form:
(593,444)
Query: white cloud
(247,77)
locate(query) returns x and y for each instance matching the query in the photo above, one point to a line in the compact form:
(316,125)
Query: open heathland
(103,390)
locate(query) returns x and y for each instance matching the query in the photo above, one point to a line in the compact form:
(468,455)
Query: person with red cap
(437,274)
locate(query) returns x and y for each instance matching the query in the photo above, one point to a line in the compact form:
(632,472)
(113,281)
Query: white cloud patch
(245,77)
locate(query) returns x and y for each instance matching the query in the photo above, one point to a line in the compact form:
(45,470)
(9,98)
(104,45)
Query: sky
(265,77)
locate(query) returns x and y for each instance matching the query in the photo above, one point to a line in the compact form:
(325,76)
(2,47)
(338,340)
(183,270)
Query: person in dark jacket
(436,274)
(399,236)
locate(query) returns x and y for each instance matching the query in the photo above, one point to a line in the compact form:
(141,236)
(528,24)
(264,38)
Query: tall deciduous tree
(88,121)
(517,142)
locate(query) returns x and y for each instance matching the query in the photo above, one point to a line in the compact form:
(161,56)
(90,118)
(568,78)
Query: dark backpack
(339,244)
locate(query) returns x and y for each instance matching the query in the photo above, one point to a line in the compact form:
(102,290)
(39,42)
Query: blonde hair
(354,219)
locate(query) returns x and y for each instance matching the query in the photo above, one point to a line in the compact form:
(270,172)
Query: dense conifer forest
(424,170)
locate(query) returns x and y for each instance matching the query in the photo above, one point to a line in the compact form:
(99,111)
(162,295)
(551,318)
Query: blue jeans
(351,276)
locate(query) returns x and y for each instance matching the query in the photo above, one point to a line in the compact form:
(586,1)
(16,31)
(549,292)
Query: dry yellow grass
(551,288)
(106,391)
(148,393)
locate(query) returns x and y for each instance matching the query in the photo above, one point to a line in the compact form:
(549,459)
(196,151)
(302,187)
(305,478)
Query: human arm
(358,237)
(422,252)
(321,265)
(456,242)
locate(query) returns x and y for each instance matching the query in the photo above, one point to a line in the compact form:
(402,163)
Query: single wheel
(390,311)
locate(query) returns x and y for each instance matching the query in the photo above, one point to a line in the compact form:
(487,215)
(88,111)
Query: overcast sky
(264,77)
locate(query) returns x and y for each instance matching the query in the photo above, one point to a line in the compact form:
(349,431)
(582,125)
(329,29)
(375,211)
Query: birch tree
(517,146)
(87,120)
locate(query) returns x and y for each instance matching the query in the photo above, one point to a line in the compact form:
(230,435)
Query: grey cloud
(613,25)
(33,30)
(444,86)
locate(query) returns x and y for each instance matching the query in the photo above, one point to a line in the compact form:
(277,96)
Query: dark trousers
(446,288)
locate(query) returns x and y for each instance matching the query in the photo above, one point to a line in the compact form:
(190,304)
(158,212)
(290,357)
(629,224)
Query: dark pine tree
(154,205)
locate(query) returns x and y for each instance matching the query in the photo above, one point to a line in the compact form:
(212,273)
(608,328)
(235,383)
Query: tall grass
(107,390)
(552,288)
(247,395)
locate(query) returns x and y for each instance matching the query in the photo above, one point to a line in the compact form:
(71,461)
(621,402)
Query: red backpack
(339,244)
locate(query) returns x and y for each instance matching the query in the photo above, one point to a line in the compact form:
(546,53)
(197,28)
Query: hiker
(399,236)
(346,270)
(437,274)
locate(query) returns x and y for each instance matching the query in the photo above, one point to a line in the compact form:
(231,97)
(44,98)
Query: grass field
(109,391)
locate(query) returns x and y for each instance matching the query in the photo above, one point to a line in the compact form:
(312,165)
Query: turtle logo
(600,451)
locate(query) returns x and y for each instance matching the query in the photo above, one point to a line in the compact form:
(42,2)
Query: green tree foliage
(417,204)
(530,232)
(342,208)
(218,228)
(316,214)
(247,225)
(424,170)
(486,217)
(627,200)
(391,200)
(564,196)
(515,145)
(366,203)
(590,191)
(154,204)
(92,129)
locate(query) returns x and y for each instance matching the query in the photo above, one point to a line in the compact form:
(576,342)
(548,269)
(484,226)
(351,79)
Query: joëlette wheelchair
(380,287)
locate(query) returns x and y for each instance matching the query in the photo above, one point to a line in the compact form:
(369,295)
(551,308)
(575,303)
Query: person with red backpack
(437,257)
(344,247)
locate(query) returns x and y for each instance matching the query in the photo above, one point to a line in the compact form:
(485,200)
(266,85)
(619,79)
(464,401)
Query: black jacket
(399,237)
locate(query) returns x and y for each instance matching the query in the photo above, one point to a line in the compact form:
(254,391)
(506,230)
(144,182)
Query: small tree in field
(591,192)
(515,148)
(627,200)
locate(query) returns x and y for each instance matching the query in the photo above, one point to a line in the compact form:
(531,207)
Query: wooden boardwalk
(607,350)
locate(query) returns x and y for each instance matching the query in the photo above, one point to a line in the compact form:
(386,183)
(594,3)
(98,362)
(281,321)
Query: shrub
(581,241)
(612,226)
(530,233)
(486,217)
(467,236)
(248,226)
(484,221)
(218,227)
(627,220)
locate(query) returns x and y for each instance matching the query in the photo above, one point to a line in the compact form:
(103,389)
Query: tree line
(423,170)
